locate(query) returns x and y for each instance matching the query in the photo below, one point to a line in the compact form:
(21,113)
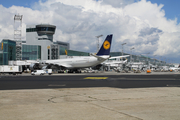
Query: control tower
(42,34)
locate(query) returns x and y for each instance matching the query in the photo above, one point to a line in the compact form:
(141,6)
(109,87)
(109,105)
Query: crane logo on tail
(106,45)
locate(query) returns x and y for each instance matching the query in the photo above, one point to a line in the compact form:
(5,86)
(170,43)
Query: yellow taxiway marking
(96,78)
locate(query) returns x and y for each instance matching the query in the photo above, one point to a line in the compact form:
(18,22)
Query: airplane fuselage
(77,62)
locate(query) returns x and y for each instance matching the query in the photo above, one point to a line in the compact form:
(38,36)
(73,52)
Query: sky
(150,26)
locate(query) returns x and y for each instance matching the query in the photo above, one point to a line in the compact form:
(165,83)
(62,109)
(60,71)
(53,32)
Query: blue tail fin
(106,46)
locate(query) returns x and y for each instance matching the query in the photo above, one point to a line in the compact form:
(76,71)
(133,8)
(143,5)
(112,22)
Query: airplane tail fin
(106,46)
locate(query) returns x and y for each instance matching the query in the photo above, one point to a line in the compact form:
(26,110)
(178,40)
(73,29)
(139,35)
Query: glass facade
(65,51)
(9,51)
(62,50)
(76,53)
(1,58)
(31,52)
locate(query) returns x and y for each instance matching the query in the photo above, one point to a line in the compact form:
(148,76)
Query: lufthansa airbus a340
(75,64)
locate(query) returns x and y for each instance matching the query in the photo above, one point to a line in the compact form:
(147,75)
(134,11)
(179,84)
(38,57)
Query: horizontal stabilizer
(124,56)
(100,58)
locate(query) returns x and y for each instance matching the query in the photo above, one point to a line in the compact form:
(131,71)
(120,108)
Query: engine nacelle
(44,67)
(35,66)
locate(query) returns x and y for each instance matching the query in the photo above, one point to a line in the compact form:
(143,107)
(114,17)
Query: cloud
(149,31)
(141,24)
(117,3)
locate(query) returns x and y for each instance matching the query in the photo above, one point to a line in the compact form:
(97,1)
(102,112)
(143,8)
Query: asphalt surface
(102,96)
(91,80)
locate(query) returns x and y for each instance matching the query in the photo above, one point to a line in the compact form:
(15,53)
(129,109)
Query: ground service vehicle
(10,69)
(42,72)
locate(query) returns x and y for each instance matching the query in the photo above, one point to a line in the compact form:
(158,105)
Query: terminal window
(31,30)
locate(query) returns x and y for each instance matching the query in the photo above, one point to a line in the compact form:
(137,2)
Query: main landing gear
(74,71)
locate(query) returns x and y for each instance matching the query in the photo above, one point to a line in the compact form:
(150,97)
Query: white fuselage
(174,68)
(77,62)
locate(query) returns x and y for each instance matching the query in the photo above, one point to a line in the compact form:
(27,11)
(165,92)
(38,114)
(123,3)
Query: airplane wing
(99,58)
(64,65)
(119,56)
(58,64)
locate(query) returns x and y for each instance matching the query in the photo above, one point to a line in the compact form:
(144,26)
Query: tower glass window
(46,29)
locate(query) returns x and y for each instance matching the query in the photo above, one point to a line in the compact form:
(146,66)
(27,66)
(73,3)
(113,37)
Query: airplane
(75,64)
(117,61)
(174,69)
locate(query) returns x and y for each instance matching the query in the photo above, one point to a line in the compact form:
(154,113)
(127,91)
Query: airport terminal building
(39,45)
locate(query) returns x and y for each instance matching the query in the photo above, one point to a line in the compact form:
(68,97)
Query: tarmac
(91,104)
(101,73)
(156,103)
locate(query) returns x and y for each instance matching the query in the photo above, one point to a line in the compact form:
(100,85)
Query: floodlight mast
(17,27)
(98,41)
(147,58)
(131,56)
(131,53)
(154,60)
(18,35)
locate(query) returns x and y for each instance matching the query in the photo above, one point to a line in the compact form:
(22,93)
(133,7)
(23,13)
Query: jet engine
(35,66)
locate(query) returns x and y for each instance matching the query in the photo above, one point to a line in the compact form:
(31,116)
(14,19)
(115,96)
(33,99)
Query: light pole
(122,47)
(131,53)
(154,59)
(98,41)
(131,56)
(160,60)
(147,58)
(138,57)
(165,61)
